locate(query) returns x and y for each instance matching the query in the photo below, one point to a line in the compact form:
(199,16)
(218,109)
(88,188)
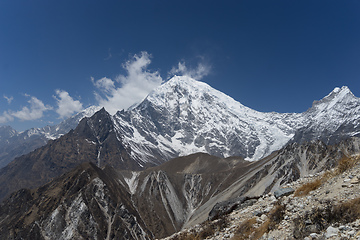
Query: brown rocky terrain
(324,206)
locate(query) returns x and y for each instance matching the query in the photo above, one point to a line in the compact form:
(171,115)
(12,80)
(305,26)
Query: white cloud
(6,117)
(130,89)
(8,99)
(35,111)
(105,84)
(66,105)
(197,73)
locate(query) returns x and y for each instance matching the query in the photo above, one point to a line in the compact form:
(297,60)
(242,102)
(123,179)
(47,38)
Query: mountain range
(162,164)
(181,117)
(185,116)
(14,144)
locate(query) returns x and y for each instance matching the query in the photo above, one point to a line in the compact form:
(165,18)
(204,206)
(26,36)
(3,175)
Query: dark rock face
(92,201)
(92,142)
(166,196)
(86,203)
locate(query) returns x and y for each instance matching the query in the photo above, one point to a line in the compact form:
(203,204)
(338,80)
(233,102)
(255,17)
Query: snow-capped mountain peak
(7,132)
(338,100)
(333,118)
(341,95)
(185,116)
(183,91)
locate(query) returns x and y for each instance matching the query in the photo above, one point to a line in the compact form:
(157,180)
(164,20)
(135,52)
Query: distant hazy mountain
(14,144)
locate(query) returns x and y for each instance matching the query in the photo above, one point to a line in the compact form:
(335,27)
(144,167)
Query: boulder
(226,207)
(331,232)
(283,192)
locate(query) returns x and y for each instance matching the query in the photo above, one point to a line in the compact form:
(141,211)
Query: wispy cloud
(66,105)
(197,73)
(8,99)
(109,55)
(104,84)
(6,117)
(127,90)
(34,111)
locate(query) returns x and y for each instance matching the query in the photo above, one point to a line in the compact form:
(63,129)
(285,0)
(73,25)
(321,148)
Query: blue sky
(58,57)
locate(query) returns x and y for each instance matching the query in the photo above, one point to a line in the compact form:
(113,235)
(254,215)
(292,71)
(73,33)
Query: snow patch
(132,182)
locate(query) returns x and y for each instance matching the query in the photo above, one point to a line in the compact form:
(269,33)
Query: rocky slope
(330,210)
(14,144)
(160,200)
(86,203)
(280,168)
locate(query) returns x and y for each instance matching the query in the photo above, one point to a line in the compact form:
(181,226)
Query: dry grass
(342,213)
(208,229)
(247,229)
(346,212)
(308,187)
(345,163)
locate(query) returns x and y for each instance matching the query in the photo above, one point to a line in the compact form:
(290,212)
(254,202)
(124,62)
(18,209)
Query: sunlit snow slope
(185,116)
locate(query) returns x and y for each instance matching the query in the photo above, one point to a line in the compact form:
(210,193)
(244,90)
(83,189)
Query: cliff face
(86,203)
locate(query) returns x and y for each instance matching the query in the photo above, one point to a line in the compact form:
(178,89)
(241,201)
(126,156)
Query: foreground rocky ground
(321,206)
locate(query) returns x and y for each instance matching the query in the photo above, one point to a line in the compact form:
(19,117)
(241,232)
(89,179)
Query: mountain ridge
(157,201)
(203,119)
(14,144)
(148,135)
(184,116)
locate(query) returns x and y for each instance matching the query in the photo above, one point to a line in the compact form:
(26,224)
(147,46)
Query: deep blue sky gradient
(268,55)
